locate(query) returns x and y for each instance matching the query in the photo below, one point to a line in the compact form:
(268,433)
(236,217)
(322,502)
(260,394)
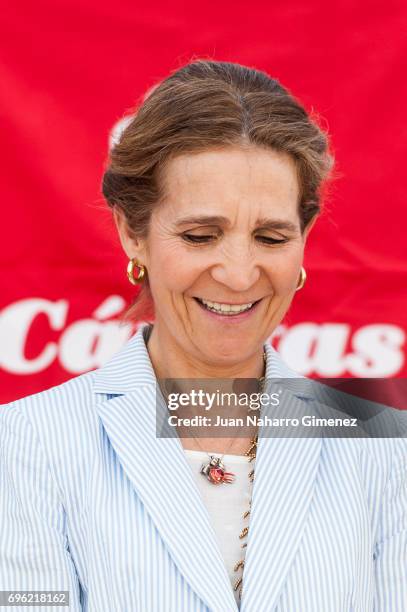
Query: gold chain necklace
(251,453)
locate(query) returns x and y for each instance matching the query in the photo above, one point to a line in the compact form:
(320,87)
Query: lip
(228,303)
(235,318)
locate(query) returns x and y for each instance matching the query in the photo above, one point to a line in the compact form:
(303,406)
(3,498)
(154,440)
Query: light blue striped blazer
(91,501)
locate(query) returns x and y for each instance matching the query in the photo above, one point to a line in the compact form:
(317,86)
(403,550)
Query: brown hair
(203,105)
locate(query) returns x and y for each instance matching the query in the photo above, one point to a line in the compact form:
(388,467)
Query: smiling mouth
(226,309)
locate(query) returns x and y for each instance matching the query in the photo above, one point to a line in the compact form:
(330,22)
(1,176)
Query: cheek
(284,272)
(172,269)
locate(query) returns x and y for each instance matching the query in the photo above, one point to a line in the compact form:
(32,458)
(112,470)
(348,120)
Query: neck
(169,360)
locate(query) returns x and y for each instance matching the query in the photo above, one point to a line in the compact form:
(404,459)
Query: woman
(215,186)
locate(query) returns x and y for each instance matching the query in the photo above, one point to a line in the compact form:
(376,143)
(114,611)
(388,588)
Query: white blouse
(226,504)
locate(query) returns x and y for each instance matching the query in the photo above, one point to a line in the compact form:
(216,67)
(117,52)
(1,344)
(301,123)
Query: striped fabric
(91,501)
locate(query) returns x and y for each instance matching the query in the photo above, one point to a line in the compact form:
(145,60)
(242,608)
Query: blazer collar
(158,470)
(129,369)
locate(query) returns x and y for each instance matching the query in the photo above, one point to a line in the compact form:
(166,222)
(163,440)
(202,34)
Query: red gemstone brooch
(215,471)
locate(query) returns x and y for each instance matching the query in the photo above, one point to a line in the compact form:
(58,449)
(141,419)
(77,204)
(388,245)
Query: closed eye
(198,239)
(268,240)
(204,239)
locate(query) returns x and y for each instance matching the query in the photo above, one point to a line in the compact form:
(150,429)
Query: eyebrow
(263,223)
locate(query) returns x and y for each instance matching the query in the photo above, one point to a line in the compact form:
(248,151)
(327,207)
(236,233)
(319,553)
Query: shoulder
(59,425)
(63,421)
(47,438)
(64,402)
(71,404)
(380,452)
(386,455)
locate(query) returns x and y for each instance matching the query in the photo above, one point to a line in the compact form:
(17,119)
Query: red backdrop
(70,71)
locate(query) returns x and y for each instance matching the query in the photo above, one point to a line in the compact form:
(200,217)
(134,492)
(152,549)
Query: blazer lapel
(285,475)
(159,471)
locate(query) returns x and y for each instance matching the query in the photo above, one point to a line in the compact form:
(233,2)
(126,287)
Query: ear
(309,227)
(132,246)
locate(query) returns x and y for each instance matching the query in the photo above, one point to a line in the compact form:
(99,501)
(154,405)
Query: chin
(229,353)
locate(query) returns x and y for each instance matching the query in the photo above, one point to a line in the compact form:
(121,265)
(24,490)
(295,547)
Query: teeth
(226,308)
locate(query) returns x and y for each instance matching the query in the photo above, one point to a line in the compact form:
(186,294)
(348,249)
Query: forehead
(251,178)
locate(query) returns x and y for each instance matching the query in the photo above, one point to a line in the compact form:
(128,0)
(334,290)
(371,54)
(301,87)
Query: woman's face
(227,233)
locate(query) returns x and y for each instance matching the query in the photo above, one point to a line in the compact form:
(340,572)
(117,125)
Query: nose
(238,271)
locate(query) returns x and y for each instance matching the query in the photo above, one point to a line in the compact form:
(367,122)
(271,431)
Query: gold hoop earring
(302,279)
(135,272)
